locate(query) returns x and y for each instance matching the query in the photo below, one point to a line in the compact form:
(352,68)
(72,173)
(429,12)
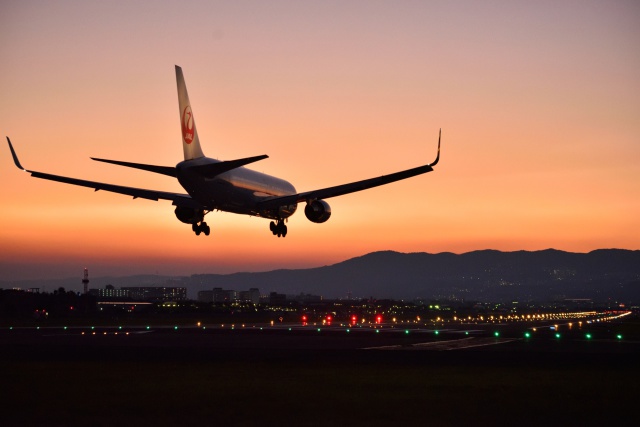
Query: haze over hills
(487,275)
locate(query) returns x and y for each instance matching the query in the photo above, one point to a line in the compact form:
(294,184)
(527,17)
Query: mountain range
(486,275)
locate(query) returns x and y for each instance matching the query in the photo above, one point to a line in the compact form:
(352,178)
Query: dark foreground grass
(313,393)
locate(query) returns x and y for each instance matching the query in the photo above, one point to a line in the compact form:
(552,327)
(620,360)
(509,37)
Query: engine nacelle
(317,211)
(189,215)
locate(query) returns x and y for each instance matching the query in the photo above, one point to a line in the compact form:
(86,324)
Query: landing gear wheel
(201,228)
(278,229)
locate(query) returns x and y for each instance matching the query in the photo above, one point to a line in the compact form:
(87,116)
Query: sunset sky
(539,105)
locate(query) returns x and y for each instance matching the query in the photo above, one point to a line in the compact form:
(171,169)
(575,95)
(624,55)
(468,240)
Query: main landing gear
(278,228)
(201,228)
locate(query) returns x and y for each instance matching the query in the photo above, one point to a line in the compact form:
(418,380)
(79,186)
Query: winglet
(15,156)
(435,162)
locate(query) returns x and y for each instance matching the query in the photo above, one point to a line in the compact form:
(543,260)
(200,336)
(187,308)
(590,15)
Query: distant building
(251,296)
(110,293)
(277,299)
(229,295)
(157,294)
(205,296)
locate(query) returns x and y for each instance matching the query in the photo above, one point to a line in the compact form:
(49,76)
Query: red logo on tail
(187,125)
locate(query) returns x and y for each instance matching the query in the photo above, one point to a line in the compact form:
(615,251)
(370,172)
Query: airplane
(227,185)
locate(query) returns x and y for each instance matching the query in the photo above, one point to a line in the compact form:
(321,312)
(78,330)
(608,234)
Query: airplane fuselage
(237,191)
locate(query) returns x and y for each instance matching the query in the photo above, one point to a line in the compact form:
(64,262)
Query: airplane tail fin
(190,140)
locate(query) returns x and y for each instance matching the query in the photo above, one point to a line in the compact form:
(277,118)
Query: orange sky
(539,104)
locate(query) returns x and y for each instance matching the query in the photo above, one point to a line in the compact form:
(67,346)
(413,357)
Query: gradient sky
(539,103)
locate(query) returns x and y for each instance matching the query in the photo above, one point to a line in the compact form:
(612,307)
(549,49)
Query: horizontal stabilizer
(164,170)
(212,170)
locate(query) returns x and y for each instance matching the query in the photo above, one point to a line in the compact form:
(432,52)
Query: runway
(202,341)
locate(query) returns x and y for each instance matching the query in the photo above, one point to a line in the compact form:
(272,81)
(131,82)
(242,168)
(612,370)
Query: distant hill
(487,275)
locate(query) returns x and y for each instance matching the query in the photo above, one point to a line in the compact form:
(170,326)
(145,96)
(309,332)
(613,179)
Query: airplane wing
(177,198)
(339,190)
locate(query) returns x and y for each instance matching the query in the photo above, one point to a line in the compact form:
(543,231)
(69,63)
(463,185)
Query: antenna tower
(85,281)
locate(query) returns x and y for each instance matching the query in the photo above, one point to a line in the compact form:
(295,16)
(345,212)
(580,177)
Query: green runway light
(318,329)
(558,336)
(619,336)
(65,328)
(119,327)
(588,336)
(175,328)
(377,331)
(466,332)
(289,328)
(527,334)
(348,330)
(496,334)
(406,332)
(93,327)
(147,328)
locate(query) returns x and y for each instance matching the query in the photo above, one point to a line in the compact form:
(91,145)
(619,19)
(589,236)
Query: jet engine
(189,215)
(317,211)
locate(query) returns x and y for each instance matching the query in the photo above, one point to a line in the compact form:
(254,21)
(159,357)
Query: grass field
(315,392)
